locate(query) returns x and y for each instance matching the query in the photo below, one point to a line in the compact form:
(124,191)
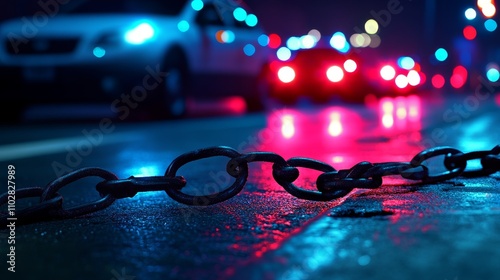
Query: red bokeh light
(470,32)
(438,81)
(459,77)
(456,81)
(274,41)
(461,71)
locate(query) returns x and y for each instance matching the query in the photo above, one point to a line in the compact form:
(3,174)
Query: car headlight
(140,34)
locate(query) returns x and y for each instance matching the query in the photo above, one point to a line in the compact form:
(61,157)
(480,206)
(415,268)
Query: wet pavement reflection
(264,230)
(405,226)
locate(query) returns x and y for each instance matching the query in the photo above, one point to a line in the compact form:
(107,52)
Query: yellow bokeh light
(371,26)
(489,10)
(360,40)
(482,3)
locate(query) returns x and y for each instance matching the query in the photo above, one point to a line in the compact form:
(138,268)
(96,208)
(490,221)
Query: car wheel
(171,96)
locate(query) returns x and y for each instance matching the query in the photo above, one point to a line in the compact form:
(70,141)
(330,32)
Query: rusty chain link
(331,184)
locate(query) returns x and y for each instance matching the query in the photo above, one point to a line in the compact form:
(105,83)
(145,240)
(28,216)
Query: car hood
(62,25)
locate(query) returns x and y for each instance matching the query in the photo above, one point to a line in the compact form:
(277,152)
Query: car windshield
(170,7)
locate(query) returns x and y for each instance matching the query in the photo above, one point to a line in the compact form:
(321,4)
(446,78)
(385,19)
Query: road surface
(402,230)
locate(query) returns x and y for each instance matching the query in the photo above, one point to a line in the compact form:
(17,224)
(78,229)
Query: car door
(217,48)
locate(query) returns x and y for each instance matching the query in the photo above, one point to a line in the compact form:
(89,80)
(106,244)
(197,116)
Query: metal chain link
(331,184)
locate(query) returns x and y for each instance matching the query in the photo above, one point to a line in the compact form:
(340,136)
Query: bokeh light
(493,75)
(350,65)
(286,74)
(274,41)
(284,54)
(489,10)
(470,32)
(413,78)
(459,77)
(375,41)
(490,25)
(371,26)
(387,72)
(240,14)
(361,40)
(406,62)
(456,81)
(99,52)
(249,49)
(293,43)
(263,40)
(335,74)
(197,5)
(183,26)
(401,81)
(251,20)
(315,33)
(441,54)
(338,41)
(438,81)
(225,36)
(307,42)
(470,14)
(460,70)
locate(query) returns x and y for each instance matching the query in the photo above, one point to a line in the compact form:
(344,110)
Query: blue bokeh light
(339,42)
(490,25)
(99,52)
(263,40)
(240,14)
(197,5)
(251,20)
(470,14)
(249,50)
(284,54)
(406,62)
(228,36)
(441,54)
(493,75)
(293,43)
(183,26)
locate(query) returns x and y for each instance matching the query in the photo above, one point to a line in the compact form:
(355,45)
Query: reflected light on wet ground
(346,135)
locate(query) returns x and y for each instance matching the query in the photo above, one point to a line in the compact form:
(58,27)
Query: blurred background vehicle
(146,54)
(325,73)
(319,74)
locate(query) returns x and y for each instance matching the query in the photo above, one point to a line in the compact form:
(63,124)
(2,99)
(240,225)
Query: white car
(134,54)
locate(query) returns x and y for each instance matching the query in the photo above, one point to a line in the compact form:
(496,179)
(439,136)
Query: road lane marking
(53,146)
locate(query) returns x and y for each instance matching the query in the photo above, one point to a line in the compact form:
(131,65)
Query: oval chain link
(331,184)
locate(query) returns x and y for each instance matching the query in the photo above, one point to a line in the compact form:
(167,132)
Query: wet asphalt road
(431,231)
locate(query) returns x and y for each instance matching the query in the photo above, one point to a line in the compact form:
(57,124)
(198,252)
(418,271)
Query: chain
(331,184)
